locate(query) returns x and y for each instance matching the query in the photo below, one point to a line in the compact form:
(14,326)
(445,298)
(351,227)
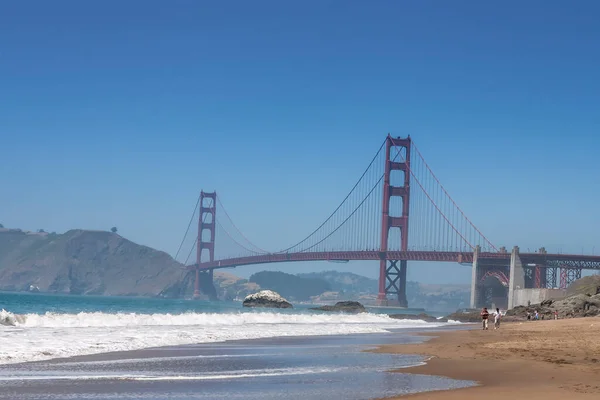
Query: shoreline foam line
(39,337)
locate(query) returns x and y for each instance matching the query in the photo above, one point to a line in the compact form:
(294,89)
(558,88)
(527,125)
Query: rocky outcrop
(586,285)
(420,317)
(465,316)
(266,298)
(343,306)
(580,305)
(471,315)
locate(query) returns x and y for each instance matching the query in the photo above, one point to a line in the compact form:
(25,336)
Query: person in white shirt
(497,317)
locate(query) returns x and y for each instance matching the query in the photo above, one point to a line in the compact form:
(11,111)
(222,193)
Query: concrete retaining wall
(522,297)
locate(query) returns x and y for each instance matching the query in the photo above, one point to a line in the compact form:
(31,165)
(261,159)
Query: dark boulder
(344,306)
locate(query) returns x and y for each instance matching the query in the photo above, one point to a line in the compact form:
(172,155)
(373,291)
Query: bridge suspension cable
(353,211)
(329,218)
(235,241)
(439,210)
(224,210)
(188,229)
(191,251)
(436,221)
(458,209)
(450,211)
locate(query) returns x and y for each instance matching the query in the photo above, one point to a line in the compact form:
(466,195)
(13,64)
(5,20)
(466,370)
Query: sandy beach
(529,360)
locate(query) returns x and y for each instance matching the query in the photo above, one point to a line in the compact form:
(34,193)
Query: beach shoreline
(294,367)
(535,360)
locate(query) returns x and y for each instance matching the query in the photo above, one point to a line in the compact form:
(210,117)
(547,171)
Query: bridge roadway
(541,259)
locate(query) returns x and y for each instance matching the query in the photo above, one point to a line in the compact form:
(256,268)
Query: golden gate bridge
(397,211)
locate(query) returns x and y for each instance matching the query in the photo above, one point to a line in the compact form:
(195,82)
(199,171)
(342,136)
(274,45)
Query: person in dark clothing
(484,318)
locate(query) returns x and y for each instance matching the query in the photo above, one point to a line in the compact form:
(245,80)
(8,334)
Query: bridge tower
(392,273)
(206,241)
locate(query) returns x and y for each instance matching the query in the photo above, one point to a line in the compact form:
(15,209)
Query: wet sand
(531,360)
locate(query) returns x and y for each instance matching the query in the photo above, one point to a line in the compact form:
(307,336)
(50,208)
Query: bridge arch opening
(207,235)
(207,218)
(395,206)
(207,202)
(394,238)
(397,177)
(205,255)
(494,290)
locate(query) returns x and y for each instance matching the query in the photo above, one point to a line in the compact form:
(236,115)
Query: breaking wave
(100,319)
(10,319)
(33,337)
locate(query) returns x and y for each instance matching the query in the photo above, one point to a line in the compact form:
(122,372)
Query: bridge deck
(550,260)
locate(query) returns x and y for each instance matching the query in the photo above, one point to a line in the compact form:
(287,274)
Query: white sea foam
(221,375)
(33,337)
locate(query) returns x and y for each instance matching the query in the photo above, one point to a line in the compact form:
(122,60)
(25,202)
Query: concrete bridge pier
(475,287)
(517,276)
(392,281)
(203,285)
(489,280)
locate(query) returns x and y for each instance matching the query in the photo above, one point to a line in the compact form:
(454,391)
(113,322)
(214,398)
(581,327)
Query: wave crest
(9,319)
(100,319)
(52,335)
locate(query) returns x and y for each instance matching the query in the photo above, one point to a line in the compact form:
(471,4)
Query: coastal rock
(420,317)
(474,315)
(266,298)
(465,316)
(580,305)
(343,306)
(586,285)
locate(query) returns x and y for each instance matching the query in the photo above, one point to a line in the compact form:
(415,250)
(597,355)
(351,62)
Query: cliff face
(87,262)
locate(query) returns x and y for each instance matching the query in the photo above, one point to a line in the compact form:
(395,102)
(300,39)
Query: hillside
(349,286)
(86,262)
(290,286)
(345,282)
(586,285)
(230,287)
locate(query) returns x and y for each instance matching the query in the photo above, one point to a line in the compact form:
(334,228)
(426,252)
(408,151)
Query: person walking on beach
(497,317)
(484,318)
(555,314)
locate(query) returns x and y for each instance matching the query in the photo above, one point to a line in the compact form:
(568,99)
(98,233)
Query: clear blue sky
(118,113)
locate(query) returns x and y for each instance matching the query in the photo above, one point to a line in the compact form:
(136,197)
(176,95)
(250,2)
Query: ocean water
(82,347)
(36,327)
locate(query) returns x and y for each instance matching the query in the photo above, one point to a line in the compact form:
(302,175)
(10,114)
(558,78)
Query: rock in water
(344,306)
(266,298)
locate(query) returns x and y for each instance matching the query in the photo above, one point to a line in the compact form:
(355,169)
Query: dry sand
(529,360)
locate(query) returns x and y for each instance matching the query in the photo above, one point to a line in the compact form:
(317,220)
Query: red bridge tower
(392,277)
(205,241)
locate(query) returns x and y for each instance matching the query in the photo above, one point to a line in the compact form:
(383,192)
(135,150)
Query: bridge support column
(475,276)
(204,285)
(197,284)
(517,276)
(205,241)
(394,283)
(392,277)
(568,275)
